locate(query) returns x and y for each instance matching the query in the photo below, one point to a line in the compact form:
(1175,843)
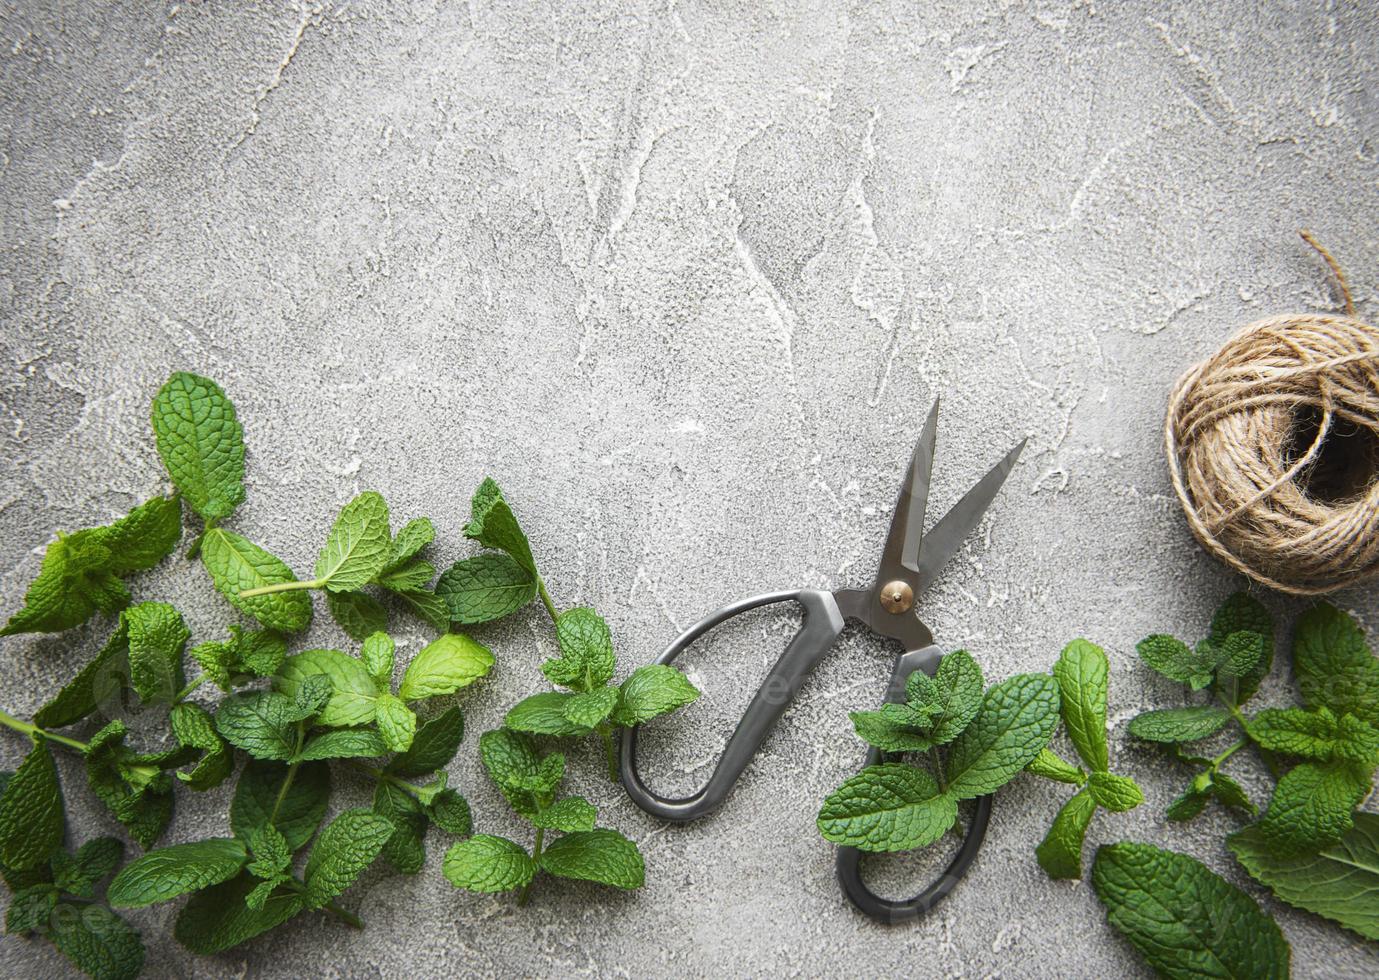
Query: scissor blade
(945,537)
(907,520)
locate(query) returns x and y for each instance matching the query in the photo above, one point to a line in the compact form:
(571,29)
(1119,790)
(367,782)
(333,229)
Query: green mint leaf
(1242,613)
(79,874)
(98,942)
(444,666)
(271,854)
(195,729)
(353,692)
(406,578)
(1185,920)
(887,807)
(574,813)
(878,729)
(1017,718)
(406,847)
(100,682)
(485,863)
(586,651)
(1333,665)
(1340,883)
(257,899)
(302,807)
(952,699)
(201,443)
(219,918)
(1060,852)
(485,587)
(164,874)
(589,709)
(1177,661)
(450,812)
(433,746)
(130,784)
(73,582)
(602,856)
(414,535)
(429,606)
(144,536)
(492,524)
(378,655)
(1231,793)
(1050,765)
(1179,724)
(236,565)
(357,613)
(651,691)
(1240,655)
(358,545)
(1312,735)
(263,723)
(1114,793)
(1082,672)
(343,743)
(1312,804)
(347,846)
(31,909)
(246,655)
(157,636)
(31,817)
(396,723)
(526,781)
(544,714)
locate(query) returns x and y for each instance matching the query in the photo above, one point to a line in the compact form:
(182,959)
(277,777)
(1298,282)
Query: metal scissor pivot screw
(897,597)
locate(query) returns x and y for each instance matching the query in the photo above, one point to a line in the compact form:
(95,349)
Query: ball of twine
(1273,448)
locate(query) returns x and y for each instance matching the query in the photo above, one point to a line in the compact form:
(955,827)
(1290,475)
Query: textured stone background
(684,278)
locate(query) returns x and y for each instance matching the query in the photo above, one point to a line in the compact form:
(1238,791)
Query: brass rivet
(897,597)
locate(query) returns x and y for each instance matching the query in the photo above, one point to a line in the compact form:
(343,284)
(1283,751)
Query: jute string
(1294,513)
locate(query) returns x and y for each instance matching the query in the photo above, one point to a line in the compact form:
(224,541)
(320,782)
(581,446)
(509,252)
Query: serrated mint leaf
(544,714)
(1333,665)
(527,781)
(876,728)
(271,855)
(1017,718)
(237,565)
(343,743)
(952,699)
(603,856)
(353,691)
(201,443)
(1177,661)
(378,655)
(358,546)
(1231,793)
(357,613)
(485,863)
(347,846)
(588,709)
(450,812)
(100,682)
(485,587)
(162,875)
(414,535)
(1186,921)
(406,847)
(1242,613)
(492,524)
(586,651)
(1050,765)
(1340,883)
(571,814)
(31,909)
(195,729)
(300,811)
(98,942)
(1060,852)
(73,582)
(1114,793)
(1179,724)
(887,807)
(444,666)
(157,636)
(257,899)
(144,536)
(651,691)
(78,874)
(1082,673)
(131,784)
(1311,806)
(396,723)
(406,578)
(219,918)
(31,817)
(433,746)
(1312,735)
(1240,654)
(264,724)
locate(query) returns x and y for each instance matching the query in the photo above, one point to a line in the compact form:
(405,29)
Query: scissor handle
(893,910)
(822,624)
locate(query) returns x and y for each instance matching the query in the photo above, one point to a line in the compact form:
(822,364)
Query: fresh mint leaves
(201,443)
(530,782)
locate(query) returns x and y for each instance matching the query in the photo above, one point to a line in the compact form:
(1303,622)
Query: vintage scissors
(910,561)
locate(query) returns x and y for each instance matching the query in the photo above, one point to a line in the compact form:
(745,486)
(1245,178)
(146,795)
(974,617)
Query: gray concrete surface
(684,278)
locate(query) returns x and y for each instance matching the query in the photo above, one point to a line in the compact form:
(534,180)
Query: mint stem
(344,915)
(291,775)
(31,730)
(1229,752)
(182,694)
(546,599)
(535,856)
(938,769)
(316,583)
(387,777)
